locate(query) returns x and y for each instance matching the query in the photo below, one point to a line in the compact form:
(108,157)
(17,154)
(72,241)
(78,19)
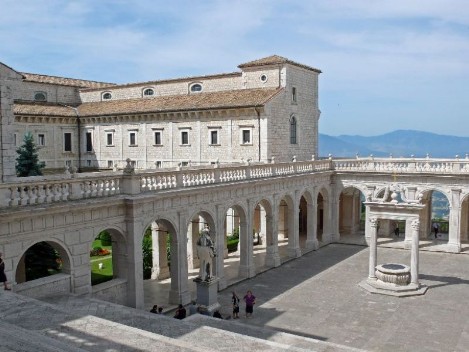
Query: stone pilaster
(373,247)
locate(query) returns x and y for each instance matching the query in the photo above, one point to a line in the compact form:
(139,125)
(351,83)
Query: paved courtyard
(318,296)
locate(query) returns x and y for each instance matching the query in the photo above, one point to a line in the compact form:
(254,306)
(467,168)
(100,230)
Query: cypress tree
(27,162)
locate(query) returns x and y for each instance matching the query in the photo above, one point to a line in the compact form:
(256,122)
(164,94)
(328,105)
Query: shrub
(105,237)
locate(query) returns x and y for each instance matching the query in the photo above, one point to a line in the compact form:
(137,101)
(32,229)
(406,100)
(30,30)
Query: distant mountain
(400,143)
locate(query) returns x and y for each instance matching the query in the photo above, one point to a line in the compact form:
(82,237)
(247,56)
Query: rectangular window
(246,135)
(68,163)
(293,94)
(185,163)
(89,142)
(132,138)
(88,163)
(184,138)
(157,138)
(158,164)
(213,137)
(67,142)
(110,164)
(41,140)
(109,139)
(133,163)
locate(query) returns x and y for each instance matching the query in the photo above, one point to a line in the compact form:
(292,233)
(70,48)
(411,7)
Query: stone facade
(225,128)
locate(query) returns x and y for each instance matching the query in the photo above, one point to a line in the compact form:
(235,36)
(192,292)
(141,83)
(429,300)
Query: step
(203,331)
(84,332)
(14,338)
(270,334)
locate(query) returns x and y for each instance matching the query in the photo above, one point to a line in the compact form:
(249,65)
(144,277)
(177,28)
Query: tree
(27,162)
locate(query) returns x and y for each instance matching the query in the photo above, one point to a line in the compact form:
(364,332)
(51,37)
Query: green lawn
(105,274)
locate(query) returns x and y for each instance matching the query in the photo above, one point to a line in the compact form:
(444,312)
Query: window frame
(41,139)
(104,96)
(294,95)
(89,141)
(109,134)
(243,131)
(38,93)
(133,135)
(158,140)
(196,84)
(184,133)
(293,130)
(148,89)
(67,142)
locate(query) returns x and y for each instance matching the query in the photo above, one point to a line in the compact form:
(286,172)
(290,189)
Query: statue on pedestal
(205,252)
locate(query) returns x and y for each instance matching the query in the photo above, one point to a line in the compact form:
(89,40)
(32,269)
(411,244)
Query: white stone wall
(305,110)
(46,286)
(55,93)
(176,87)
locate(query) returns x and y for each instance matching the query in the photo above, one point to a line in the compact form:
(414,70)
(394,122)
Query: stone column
(283,220)
(134,263)
(179,291)
(160,270)
(373,247)
(294,250)
(311,229)
(464,216)
(262,225)
(246,260)
(414,255)
(367,225)
(272,256)
(454,235)
(334,233)
(220,243)
(408,234)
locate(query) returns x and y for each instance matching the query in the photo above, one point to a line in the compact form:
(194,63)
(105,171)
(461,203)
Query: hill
(400,143)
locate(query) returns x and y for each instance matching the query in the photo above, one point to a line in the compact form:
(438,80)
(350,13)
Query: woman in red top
(250,300)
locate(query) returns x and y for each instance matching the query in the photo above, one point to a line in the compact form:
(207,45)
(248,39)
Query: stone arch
(351,211)
(288,211)
(244,254)
(118,254)
(307,219)
(427,218)
(464,218)
(323,214)
(59,246)
(265,229)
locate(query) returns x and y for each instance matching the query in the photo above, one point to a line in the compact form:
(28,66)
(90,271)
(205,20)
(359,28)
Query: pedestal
(207,295)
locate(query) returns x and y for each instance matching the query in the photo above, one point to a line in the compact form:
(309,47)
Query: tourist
(250,300)
(193,308)
(154,309)
(396,229)
(160,310)
(217,314)
(235,302)
(3,277)
(180,312)
(435,228)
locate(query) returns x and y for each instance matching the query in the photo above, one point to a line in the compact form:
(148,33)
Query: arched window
(148,92)
(293,130)
(107,96)
(196,87)
(40,96)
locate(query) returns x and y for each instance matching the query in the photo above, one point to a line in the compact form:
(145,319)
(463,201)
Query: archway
(323,217)
(351,213)
(464,216)
(288,217)
(160,264)
(435,216)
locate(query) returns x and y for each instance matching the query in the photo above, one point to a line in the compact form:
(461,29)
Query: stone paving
(318,296)
(312,303)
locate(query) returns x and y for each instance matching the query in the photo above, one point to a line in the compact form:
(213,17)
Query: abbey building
(267,111)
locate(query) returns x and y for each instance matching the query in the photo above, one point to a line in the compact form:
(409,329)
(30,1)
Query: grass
(105,274)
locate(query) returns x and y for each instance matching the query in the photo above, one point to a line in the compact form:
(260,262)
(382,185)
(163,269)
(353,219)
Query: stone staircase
(76,323)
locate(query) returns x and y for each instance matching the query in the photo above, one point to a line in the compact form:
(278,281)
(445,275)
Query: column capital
(374,222)
(415,224)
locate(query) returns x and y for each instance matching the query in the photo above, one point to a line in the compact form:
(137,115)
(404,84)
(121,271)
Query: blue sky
(386,65)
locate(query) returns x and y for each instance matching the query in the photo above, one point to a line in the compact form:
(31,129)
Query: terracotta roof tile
(80,83)
(174,103)
(275,60)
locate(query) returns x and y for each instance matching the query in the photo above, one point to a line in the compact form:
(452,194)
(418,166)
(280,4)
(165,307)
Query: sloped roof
(174,103)
(276,60)
(72,82)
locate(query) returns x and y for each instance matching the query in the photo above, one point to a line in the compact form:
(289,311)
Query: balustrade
(63,188)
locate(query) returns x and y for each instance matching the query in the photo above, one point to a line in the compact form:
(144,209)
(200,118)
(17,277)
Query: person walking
(435,229)
(3,277)
(250,300)
(235,303)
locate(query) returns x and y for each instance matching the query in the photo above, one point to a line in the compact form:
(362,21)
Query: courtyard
(318,296)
